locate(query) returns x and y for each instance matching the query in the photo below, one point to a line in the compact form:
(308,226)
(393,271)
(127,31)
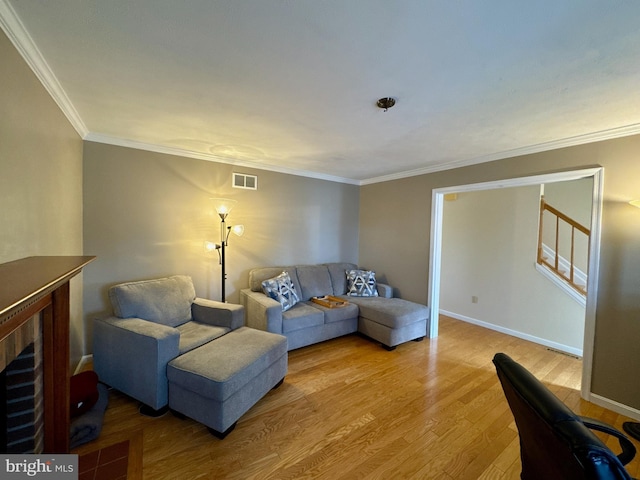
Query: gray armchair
(154,322)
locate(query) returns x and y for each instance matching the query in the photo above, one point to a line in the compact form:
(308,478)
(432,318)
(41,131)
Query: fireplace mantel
(41,285)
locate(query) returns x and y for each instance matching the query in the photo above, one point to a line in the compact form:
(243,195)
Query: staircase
(562,242)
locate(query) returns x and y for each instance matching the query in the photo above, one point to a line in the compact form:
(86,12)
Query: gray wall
(148,214)
(40,177)
(616,362)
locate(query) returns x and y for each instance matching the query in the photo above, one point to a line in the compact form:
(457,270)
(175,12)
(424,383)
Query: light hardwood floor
(351,410)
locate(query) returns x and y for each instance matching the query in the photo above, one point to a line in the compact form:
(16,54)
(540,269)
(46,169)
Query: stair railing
(554,266)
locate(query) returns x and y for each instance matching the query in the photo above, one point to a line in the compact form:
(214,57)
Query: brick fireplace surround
(21,381)
(34,337)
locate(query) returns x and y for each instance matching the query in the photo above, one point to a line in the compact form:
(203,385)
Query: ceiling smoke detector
(386,103)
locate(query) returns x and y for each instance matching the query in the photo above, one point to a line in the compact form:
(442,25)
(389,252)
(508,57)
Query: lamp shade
(210,246)
(223,206)
(238,230)
(635,203)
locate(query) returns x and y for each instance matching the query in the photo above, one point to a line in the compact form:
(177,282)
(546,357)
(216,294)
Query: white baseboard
(614,406)
(83,361)
(514,333)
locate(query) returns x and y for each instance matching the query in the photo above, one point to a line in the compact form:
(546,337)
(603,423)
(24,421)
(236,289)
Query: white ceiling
(291,85)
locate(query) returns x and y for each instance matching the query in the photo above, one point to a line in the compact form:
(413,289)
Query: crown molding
(150,147)
(602,135)
(17,33)
(610,134)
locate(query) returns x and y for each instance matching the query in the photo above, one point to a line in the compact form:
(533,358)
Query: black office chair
(555,443)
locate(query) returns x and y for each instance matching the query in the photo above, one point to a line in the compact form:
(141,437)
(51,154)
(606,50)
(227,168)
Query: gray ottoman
(391,321)
(217,383)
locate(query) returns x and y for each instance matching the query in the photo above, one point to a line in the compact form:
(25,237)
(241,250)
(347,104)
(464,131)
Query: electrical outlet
(474,299)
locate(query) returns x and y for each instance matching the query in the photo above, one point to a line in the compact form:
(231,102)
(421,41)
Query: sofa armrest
(131,355)
(385,290)
(263,313)
(219,314)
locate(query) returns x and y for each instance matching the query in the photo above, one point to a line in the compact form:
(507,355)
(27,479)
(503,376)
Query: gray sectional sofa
(391,321)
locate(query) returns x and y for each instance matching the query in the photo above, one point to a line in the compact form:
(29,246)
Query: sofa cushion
(337,314)
(163,300)
(315,281)
(391,312)
(338,273)
(282,290)
(361,283)
(195,334)
(301,316)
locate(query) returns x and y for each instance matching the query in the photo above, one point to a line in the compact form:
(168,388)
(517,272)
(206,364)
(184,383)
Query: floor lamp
(223,207)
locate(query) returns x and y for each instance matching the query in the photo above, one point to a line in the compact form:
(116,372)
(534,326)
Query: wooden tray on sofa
(330,301)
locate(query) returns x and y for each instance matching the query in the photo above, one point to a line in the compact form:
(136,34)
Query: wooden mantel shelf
(24,279)
(35,285)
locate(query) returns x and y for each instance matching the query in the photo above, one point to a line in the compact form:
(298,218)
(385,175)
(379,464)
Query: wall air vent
(242,180)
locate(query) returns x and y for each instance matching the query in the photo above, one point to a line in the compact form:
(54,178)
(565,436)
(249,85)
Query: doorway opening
(438,196)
